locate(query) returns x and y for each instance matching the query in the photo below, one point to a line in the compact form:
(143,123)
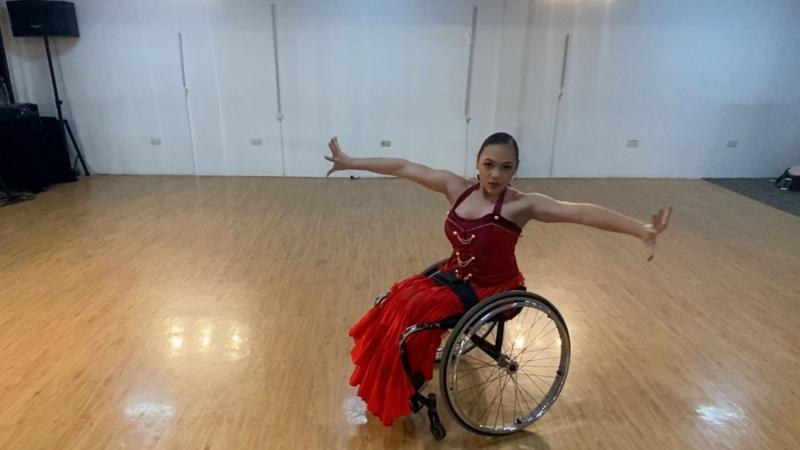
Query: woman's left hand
(659,223)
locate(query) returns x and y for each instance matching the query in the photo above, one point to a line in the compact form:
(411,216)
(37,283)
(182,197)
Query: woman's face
(496,166)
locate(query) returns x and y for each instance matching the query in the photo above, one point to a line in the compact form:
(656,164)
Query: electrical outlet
(633,143)
(386,143)
(732,144)
(256,141)
(155,141)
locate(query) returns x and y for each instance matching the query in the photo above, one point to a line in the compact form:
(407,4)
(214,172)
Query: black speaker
(42,18)
(19,111)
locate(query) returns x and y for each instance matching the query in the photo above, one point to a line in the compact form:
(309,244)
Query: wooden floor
(212,313)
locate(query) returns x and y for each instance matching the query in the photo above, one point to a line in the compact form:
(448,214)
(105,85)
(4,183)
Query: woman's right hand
(339,159)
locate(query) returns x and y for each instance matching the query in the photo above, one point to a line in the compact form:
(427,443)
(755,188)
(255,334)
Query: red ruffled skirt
(382,382)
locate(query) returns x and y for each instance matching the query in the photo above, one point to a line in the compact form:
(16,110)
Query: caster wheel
(438,431)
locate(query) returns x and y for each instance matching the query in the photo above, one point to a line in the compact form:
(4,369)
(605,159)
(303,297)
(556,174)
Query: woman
(483,224)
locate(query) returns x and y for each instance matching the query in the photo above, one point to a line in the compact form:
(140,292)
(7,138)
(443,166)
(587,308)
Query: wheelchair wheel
(503,381)
(483,332)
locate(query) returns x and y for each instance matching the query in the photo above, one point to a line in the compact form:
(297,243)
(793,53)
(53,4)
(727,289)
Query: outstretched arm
(547,209)
(441,181)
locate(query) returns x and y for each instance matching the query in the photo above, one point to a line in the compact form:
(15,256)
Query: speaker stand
(61,121)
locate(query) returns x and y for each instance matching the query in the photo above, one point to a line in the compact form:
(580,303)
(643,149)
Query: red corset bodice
(483,248)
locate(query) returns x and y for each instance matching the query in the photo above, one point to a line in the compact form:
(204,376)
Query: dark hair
(500,139)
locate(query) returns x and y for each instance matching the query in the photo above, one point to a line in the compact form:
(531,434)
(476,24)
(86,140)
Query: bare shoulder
(518,206)
(526,198)
(461,183)
(456,185)
(527,206)
(530,196)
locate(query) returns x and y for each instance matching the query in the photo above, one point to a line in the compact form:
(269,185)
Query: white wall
(395,72)
(683,77)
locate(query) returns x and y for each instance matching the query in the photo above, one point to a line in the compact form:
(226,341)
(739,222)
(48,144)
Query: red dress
(483,254)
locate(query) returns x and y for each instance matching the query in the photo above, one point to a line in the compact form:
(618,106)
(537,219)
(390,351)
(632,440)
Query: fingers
(330,158)
(665,218)
(660,220)
(333,145)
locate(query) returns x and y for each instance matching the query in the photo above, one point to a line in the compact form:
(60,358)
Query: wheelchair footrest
(437,429)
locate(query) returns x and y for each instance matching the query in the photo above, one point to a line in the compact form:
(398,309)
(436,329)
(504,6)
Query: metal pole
(558,106)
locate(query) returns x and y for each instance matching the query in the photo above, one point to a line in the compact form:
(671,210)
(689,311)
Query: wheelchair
(503,363)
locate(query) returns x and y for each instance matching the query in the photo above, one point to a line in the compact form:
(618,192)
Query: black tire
(502,303)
